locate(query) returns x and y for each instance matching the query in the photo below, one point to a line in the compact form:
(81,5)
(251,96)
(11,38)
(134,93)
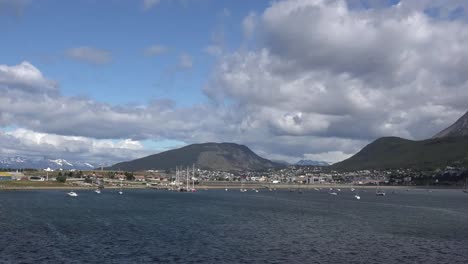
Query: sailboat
(121,186)
(356,195)
(379,192)
(100,187)
(193,178)
(465,189)
(242,188)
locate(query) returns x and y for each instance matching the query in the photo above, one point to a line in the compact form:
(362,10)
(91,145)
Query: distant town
(290,175)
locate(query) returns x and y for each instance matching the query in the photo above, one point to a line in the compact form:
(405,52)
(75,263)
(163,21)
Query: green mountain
(448,147)
(394,152)
(210,156)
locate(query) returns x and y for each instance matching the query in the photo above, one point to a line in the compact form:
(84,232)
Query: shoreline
(215,186)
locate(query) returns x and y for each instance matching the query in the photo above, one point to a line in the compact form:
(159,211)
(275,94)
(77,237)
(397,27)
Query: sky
(109,81)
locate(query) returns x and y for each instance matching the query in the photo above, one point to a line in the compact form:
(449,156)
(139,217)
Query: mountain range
(210,156)
(20,162)
(447,148)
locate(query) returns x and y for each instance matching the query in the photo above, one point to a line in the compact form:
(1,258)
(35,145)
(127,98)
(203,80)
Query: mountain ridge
(457,129)
(211,156)
(449,147)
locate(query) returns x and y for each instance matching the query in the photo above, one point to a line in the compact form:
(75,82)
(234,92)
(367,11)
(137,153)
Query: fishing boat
(72,194)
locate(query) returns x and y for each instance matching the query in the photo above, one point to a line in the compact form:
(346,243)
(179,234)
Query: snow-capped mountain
(19,162)
(61,162)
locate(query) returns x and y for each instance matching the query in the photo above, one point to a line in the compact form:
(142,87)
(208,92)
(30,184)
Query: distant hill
(312,163)
(211,156)
(458,129)
(394,152)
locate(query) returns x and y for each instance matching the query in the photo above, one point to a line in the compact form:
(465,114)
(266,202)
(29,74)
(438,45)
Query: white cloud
(214,50)
(155,50)
(29,143)
(185,61)
(322,90)
(248,24)
(89,55)
(149,4)
(330,156)
(25,77)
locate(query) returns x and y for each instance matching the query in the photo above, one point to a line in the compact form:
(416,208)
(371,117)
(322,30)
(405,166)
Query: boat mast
(193,176)
(187,183)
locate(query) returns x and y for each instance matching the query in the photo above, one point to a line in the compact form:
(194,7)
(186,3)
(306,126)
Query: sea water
(215,226)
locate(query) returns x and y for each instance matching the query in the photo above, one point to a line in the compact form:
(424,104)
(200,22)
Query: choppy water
(147,226)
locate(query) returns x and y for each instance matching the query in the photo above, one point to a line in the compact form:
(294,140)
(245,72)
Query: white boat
(256,190)
(226,189)
(121,184)
(242,187)
(352,189)
(316,189)
(332,193)
(97,191)
(338,190)
(357,197)
(72,194)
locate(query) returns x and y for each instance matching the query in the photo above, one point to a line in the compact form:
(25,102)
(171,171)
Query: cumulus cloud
(89,55)
(26,142)
(155,50)
(348,73)
(325,79)
(25,77)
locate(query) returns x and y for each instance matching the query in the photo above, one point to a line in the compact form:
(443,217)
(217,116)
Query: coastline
(214,186)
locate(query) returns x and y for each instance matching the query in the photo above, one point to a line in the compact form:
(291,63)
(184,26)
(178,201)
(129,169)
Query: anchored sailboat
(121,186)
(465,189)
(378,191)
